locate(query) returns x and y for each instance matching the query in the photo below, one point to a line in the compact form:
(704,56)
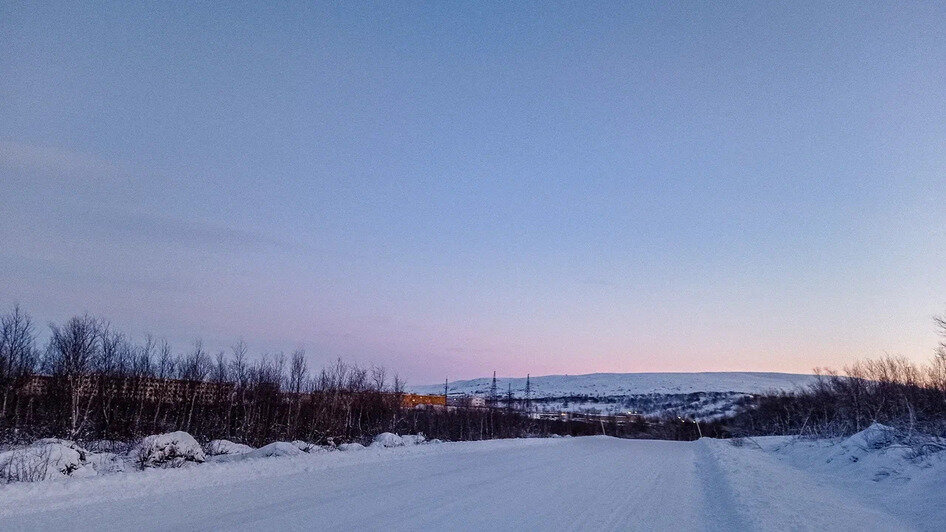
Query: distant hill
(699,395)
(608,384)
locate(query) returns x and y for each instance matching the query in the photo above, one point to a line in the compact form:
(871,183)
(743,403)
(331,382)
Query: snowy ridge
(702,396)
(623,384)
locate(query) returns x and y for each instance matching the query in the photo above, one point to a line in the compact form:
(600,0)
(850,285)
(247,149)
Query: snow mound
(106,463)
(83,454)
(876,436)
(168,450)
(108,446)
(387,439)
(413,439)
(226,447)
(305,447)
(42,461)
(879,452)
(279,448)
(351,447)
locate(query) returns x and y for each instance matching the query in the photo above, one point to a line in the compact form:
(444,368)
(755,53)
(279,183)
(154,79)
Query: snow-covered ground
(593,483)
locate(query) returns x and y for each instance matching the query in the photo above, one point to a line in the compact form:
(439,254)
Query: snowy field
(593,483)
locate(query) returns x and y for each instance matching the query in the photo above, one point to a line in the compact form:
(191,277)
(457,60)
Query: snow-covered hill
(699,395)
(612,384)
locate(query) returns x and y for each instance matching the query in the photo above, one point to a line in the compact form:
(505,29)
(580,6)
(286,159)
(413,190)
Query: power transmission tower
(528,394)
(492,391)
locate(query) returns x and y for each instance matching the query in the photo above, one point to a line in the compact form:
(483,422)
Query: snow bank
(226,447)
(351,447)
(52,458)
(413,439)
(107,463)
(83,454)
(879,448)
(876,436)
(43,460)
(387,439)
(168,450)
(305,447)
(756,491)
(877,464)
(108,446)
(279,448)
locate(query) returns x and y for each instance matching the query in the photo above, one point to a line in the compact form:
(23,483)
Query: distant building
(414,400)
(467,401)
(147,389)
(477,402)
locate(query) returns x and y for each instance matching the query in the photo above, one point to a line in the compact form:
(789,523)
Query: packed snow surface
(614,384)
(592,483)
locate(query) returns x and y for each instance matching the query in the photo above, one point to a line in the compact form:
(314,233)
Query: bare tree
(298,374)
(166,363)
(73,353)
(17,353)
(940,322)
(194,369)
(298,369)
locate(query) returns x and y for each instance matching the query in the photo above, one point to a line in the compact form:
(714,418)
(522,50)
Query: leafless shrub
(29,464)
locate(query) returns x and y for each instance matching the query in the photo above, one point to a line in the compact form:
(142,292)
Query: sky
(448,189)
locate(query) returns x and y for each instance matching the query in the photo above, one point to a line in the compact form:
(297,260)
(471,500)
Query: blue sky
(447,189)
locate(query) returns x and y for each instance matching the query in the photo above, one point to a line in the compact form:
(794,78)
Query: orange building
(413,400)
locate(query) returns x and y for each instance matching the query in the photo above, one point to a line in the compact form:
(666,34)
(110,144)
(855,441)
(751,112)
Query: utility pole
(509,397)
(445,388)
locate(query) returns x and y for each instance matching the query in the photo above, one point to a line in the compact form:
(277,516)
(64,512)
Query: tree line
(90,382)
(893,391)
(95,383)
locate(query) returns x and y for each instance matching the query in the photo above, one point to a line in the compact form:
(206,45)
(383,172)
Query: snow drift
(227,447)
(279,448)
(387,439)
(43,460)
(168,450)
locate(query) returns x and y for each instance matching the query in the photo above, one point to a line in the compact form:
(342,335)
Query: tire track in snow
(719,501)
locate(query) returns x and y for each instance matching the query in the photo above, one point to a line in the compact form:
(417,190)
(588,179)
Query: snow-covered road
(594,483)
